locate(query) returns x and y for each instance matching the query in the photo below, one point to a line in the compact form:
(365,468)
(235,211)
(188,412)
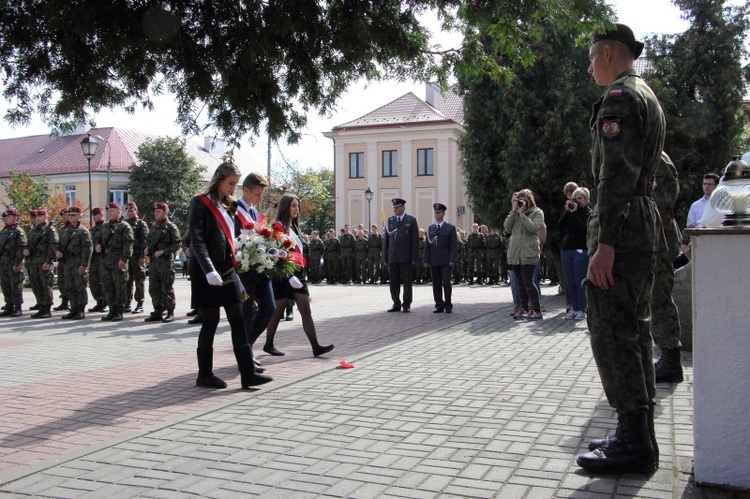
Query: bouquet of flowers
(267,249)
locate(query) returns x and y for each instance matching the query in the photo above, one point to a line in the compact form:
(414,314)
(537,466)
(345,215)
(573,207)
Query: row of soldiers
(109,258)
(356,257)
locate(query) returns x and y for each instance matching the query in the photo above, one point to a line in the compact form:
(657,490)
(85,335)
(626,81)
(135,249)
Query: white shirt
(696,212)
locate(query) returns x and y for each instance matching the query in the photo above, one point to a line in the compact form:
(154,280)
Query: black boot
(154,316)
(117,315)
(206,376)
(668,368)
(35,307)
(7,310)
(248,376)
(44,312)
(126,308)
(630,452)
(80,313)
(62,306)
(99,307)
(169,317)
(110,314)
(16,311)
(71,312)
(138,308)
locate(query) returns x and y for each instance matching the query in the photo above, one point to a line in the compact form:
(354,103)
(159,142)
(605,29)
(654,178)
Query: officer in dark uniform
(40,254)
(115,243)
(137,270)
(317,247)
(440,253)
(164,242)
(12,245)
(347,255)
(61,286)
(95,279)
(75,255)
(400,252)
(624,235)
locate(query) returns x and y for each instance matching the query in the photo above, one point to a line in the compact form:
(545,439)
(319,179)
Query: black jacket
(208,245)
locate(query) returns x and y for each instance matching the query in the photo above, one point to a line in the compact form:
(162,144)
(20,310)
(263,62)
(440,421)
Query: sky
(645,17)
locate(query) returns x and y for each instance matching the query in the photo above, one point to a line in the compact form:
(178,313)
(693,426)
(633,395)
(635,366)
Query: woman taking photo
(214,282)
(575,259)
(295,288)
(523,223)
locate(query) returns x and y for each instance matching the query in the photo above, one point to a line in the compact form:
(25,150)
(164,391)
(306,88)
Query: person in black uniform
(440,251)
(213,280)
(400,252)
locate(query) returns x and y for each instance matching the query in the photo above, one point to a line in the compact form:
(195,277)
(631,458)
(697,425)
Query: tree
(164,173)
(240,66)
(27,193)
(699,79)
(314,188)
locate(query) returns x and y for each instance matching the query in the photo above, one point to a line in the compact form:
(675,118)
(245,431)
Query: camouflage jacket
(76,246)
(95,230)
(666,190)
(116,241)
(42,243)
(316,247)
(140,236)
(375,244)
(361,246)
(164,237)
(475,241)
(12,243)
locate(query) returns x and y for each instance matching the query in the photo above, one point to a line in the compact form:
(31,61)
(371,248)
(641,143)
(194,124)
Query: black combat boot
(169,317)
(154,316)
(7,310)
(127,308)
(110,314)
(117,315)
(99,307)
(35,307)
(668,368)
(206,376)
(595,444)
(62,306)
(138,308)
(16,311)
(71,312)
(630,452)
(80,313)
(44,312)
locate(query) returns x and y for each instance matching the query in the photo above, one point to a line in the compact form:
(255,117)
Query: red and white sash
(225,222)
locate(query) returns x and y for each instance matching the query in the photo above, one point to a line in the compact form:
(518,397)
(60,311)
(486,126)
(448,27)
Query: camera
(571,204)
(520,203)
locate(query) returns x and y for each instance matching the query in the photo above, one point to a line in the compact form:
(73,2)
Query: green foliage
(314,188)
(699,80)
(26,193)
(164,173)
(531,132)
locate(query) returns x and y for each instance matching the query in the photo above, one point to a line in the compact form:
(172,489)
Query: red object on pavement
(345,365)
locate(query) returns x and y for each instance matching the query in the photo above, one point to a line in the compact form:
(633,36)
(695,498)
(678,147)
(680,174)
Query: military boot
(62,306)
(117,315)
(99,307)
(138,308)
(110,314)
(630,452)
(7,310)
(170,316)
(595,444)
(668,368)
(71,312)
(16,311)
(127,308)
(154,316)
(80,313)
(43,313)
(36,306)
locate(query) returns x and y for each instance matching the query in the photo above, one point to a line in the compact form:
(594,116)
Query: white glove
(214,279)
(294,282)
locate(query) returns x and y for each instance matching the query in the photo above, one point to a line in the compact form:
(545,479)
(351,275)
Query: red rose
(278,227)
(287,243)
(249,225)
(265,232)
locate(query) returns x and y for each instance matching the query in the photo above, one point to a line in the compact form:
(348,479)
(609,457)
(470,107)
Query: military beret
(398,202)
(439,207)
(75,209)
(33,213)
(116,206)
(161,206)
(96,211)
(41,212)
(64,211)
(622,34)
(8,213)
(132,205)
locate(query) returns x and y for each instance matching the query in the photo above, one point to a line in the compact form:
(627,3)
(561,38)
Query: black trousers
(398,273)
(441,285)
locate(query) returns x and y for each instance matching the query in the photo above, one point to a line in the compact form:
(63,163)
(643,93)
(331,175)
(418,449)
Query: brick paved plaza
(471,404)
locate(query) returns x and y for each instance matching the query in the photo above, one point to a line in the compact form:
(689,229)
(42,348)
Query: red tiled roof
(406,110)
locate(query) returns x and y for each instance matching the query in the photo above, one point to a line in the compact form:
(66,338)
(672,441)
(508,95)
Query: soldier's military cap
(8,213)
(132,205)
(64,211)
(41,212)
(161,206)
(439,207)
(33,213)
(96,211)
(398,202)
(116,206)
(75,209)
(622,34)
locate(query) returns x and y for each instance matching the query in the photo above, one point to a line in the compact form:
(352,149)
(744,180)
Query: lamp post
(368,196)
(89,145)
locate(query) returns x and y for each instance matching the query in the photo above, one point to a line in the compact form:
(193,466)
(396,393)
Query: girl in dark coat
(214,282)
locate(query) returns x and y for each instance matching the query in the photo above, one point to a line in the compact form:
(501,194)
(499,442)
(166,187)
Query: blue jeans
(514,288)
(575,266)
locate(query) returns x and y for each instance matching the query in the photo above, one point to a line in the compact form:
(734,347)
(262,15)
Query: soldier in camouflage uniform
(115,243)
(374,247)
(317,247)
(163,244)
(40,253)
(332,256)
(494,243)
(60,267)
(665,319)
(137,270)
(361,245)
(75,255)
(12,245)
(95,279)
(347,255)
(624,236)
(475,245)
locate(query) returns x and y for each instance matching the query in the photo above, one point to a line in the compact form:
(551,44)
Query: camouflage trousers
(665,319)
(161,283)
(374,263)
(332,268)
(476,265)
(136,280)
(95,279)
(114,282)
(11,284)
(61,280)
(620,328)
(41,283)
(360,267)
(76,286)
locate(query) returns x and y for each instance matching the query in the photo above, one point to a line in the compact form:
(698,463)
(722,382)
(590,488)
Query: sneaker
(570,316)
(580,315)
(534,316)
(520,315)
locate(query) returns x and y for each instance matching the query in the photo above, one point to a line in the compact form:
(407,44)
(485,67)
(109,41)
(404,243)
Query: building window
(70,194)
(357,165)
(424,162)
(119,195)
(390,163)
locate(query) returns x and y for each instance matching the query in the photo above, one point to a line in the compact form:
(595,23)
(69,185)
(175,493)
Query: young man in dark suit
(440,252)
(400,252)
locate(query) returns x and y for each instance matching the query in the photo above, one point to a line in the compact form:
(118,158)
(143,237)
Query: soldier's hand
(145,252)
(58,255)
(26,253)
(121,265)
(187,252)
(158,254)
(600,266)
(46,266)
(81,270)
(98,248)
(16,269)
(141,261)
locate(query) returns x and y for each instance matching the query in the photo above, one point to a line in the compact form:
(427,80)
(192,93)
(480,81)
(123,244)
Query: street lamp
(89,145)
(368,196)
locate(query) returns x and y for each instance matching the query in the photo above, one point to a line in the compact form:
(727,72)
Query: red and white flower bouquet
(267,249)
